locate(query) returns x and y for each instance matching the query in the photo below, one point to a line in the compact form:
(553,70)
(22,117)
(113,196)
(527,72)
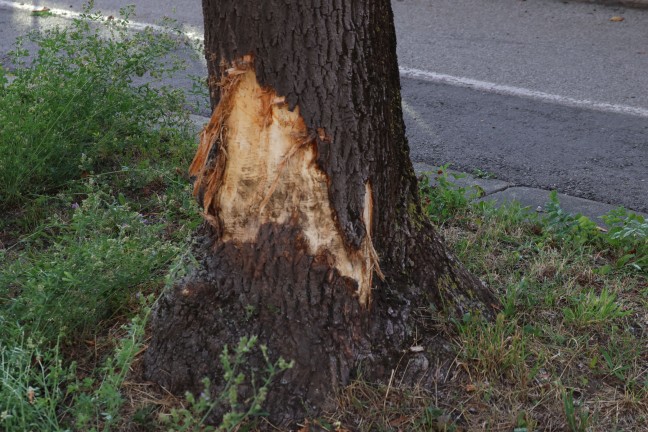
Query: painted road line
(520,92)
(405,72)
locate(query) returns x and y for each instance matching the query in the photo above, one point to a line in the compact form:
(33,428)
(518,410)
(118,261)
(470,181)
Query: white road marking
(520,92)
(407,72)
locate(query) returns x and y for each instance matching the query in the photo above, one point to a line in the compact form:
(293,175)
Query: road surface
(540,93)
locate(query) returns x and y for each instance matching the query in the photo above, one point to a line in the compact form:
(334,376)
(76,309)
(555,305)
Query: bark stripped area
(256,164)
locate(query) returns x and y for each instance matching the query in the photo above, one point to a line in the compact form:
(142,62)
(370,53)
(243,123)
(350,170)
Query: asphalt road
(555,82)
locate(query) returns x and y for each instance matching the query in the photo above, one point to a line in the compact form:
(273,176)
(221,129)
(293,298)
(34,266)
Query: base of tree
(303,310)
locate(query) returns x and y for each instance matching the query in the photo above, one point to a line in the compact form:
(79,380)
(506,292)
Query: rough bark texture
(308,190)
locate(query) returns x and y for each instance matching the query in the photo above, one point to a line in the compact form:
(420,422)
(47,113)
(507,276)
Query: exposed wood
(265,171)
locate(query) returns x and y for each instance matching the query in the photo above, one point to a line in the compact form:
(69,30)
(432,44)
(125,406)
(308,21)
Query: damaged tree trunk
(314,237)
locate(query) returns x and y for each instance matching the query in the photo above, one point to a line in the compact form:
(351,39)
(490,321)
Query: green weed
(577,419)
(629,233)
(589,308)
(32,380)
(93,266)
(238,412)
(496,349)
(80,105)
(443,200)
(627,237)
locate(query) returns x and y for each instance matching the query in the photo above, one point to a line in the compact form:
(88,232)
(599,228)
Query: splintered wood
(264,169)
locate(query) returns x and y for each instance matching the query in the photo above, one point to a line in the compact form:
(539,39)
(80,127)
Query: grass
(567,351)
(97,217)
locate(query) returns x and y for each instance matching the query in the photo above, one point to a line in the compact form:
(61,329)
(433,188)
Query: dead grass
(569,351)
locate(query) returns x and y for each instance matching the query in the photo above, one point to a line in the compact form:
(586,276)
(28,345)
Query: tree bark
(314,237)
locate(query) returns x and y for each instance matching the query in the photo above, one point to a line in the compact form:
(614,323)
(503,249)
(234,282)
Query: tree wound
(256,164)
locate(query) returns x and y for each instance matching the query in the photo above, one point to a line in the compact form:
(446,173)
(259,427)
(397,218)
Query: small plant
(577,419)
(577,229)
(81,96)
(496,349)
(200,408)
(443,200)
(629,232)
(483,174)
(589,308)
(435,419)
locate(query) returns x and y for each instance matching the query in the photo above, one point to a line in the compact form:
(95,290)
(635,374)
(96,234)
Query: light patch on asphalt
(420,122)
(405,72)
(519,92)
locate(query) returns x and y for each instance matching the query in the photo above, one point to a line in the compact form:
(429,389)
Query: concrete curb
(503,192)
(636,4)
(536,199)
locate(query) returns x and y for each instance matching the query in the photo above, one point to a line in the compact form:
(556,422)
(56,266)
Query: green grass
(567,350)
(97,219)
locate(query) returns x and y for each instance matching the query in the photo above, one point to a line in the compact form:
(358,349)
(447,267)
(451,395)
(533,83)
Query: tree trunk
(314,237)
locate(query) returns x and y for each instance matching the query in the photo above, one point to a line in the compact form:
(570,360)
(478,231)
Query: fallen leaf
(617,19)
(41,12)
(471,387)
(399,421)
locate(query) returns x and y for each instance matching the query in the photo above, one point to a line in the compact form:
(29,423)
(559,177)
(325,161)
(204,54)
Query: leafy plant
(574,228)
(441,198)
(90,96)
(629,232)
(90,270)
(237,412)
(483,174)
(577,419)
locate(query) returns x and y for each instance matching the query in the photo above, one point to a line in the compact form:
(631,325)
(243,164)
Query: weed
(96,405)
(95,263)
(237,412)
(32,379)
(629,233)
(627,236)
(577,419)
(497,349)
(443,200)
(589,308)
(79,105)
(483,174)
(571,228)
